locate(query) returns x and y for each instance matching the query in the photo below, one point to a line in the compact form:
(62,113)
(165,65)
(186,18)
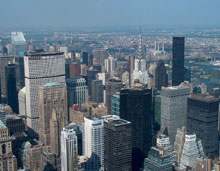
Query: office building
(52,107)
(118,144)
(135,106)
(116,104)
(158,160)
(93,141)
(18,43)
(22,101)
(74,70)
(112,86)
(195,75)
(8,161)
(85,58)
(19,61)
(110,65)
(178,60)
(4,60)
(173,109)
(91,74)
(161,77)
(131,68)
(202,119)
(40,68)
(77,91)
(90,63)
(3,116)
(69,150)
(214,79)
(99,56)
(97,91)
(157,110)
(11,87)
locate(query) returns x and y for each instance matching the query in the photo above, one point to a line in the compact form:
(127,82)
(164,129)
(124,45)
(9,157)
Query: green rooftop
(2,125)
(23,90)
(52,84)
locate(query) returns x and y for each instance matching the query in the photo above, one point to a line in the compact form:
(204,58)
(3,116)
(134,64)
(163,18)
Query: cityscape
(110,97)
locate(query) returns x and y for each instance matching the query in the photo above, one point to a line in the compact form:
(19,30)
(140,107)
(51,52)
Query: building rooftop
(17,38)
(204,98)
(2,125)
(52,84)
(30,54)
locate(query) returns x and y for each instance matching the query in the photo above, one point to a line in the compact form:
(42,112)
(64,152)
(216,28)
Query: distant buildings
(202,119)
(18,44)
(110,65)
(91,74)
(178,60)
(173,109)
(99,56)
(40,68)
(97,91)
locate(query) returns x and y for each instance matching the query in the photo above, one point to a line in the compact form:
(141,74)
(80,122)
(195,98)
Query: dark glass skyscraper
(85,58)
(11,87)
(178,60)
(161,77)
(135,106)
(202,119)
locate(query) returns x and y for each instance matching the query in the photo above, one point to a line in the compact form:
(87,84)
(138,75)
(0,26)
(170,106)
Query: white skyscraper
(93,140)
(140,71)
(69,149)
(110,65)
(40,68)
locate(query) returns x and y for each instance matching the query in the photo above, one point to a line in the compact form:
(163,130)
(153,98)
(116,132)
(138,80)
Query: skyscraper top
(17,38)
(204,98)
(140,49)
(43,54)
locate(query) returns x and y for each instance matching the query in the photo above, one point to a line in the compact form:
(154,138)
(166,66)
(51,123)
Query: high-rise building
(202,119)
(85,57)
(140,72)
(19,61)
(97,91)
(173,109)
(8,161)
(11,87)
(98,67)
(131,68)
(22,101)
(3,117)
(52,106)
(40,68)
(116,104)
(93,141)
(112,86)
(99,56)
(214,79)
(158,160)
(135,106)
(110,65)
(118,144)
(69,149)
(74,70)
(4,60)
(18,43)
(178,60)
(195,75)
(91,73)
(161,77)
(77,91)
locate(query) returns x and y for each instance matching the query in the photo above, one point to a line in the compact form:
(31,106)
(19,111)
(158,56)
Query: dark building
(67,68)
(97,67)
(118,146)
(112,86)
(91,75)
(214,80)
(202,119)
(178,60)
(19,61)
(135,106)
(158,160)
(85,58)
(90,63)
(11,87)
(74,70)
(187,74)
(97,91)
(15,124)
(161,77)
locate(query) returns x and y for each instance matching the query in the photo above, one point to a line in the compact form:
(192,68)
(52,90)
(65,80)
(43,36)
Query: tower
(178,60)
(161,77)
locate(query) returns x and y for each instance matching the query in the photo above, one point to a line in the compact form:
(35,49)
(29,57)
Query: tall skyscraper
(110,64)
(116,104)
(161,77)
(85,57)
(93,141)
(22,101)
(112,86)
(99,56)
(173,109)
(140,72)
(19,61)
(178,60)
(202,119)
(91,73)
(52,106)
(8,162)
(11,87)
(74,70)
(69,149)
(135,106)
(131,68)
(40,68)
(118,144)
(97,91)
(77,91)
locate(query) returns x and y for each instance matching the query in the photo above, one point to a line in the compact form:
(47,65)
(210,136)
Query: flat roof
(204,98)
(44,54)
(52,84)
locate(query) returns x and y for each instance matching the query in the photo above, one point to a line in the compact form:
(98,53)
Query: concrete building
(93,140)
(99,55)
(91,74)
(18,43)
(110,65)
(173,109)
(22,101)
(97,91)
(69,149)
(118,144)
(202,119)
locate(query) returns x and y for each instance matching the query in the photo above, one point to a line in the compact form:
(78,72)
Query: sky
(108,13)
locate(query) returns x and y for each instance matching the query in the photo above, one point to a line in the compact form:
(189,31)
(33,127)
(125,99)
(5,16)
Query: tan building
(52,97)
(77,113)
(8,161)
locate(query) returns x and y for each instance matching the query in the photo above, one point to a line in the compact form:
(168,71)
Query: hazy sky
(83,13)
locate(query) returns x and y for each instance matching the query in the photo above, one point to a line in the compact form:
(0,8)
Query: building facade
(116,104)
(161,77)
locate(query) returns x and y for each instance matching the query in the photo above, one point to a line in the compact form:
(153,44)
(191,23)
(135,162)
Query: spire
(140,49)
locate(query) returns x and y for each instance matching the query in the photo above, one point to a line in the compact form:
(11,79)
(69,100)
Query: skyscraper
(202,119)
(52,107)
(112,86)
(178,60)
(131,68)
(93,141)
(99,56)
(173,109)
(85,57)
(118,145)
(18,43)
(161,77)
(11,87)
(135,106)
(110,64)
(97,91)
(91,73)
(40,68)
(69,149)
(19,61)
(116,104)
